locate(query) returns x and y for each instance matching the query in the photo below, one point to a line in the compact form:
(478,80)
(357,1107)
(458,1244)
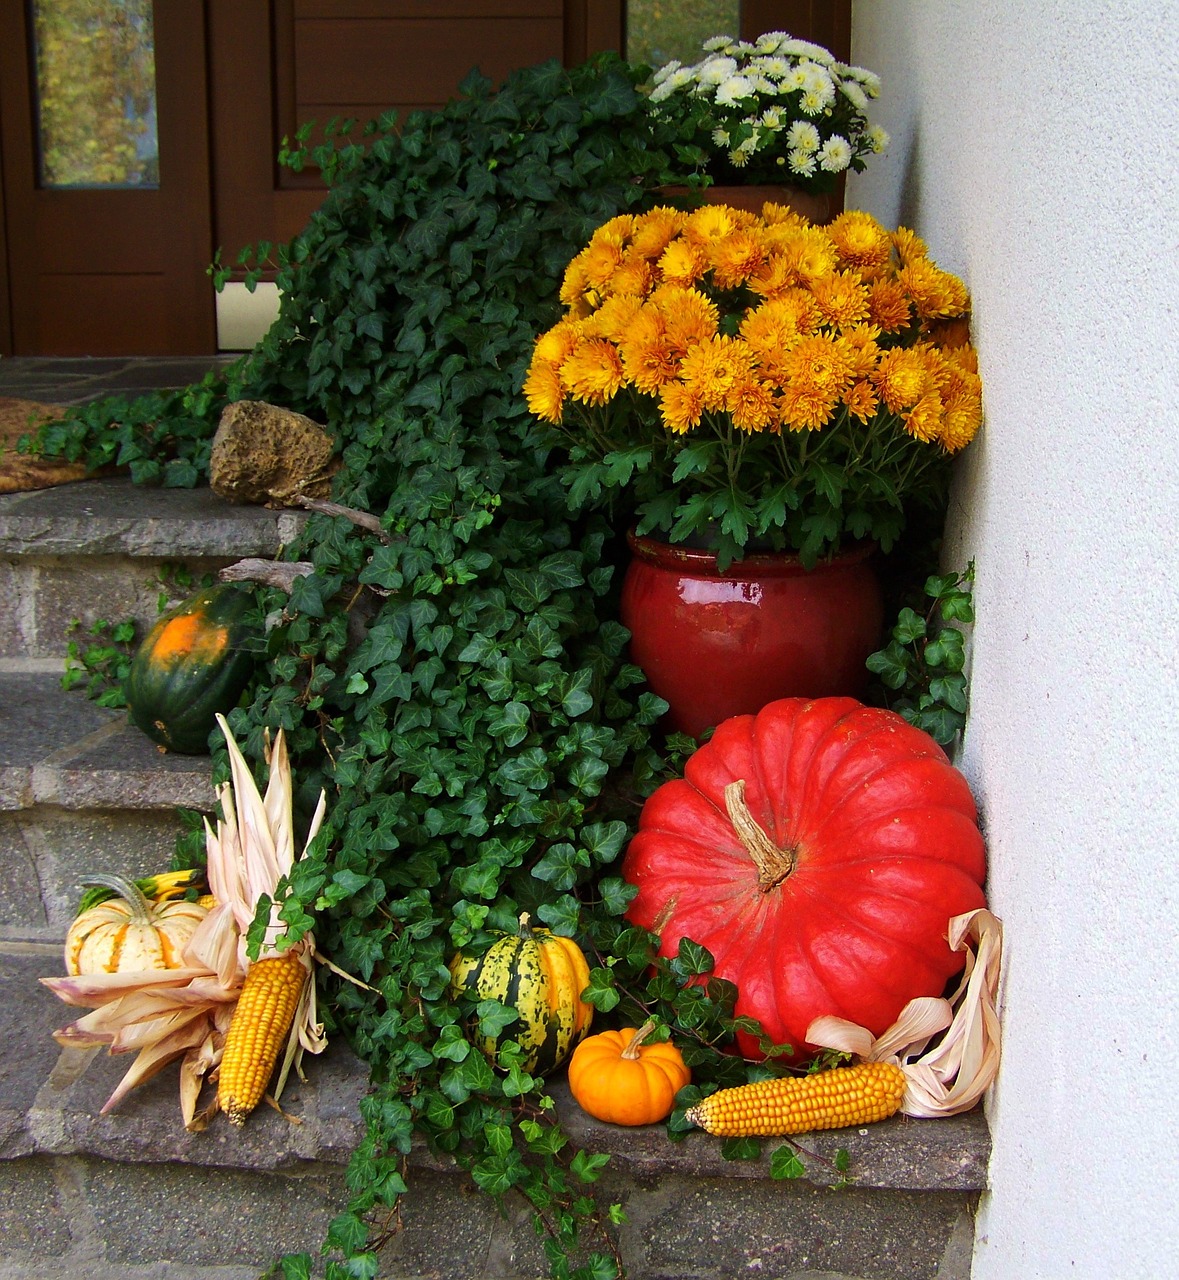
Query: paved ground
(69,380)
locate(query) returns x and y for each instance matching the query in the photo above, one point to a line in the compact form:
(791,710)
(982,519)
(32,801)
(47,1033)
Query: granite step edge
(112,516)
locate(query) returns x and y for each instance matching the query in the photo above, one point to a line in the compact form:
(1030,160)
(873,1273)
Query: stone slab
(61,749)
(63,847)
(949,1154)
(32,1223)
(29,1014)
(115,517)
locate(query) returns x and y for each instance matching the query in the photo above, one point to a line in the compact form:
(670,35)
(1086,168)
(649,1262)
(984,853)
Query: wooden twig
(271,573)
(362,519)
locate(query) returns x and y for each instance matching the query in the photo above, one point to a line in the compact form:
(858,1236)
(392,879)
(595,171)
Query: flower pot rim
(696,560)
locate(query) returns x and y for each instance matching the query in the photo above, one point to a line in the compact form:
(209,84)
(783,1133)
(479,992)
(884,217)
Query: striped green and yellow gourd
(542,976)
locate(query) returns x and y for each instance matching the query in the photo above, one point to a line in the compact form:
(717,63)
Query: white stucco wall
(1036,148)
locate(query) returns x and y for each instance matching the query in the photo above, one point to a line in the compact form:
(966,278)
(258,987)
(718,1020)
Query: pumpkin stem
(632,1050)
(773,864)
(525,926)
(128,890)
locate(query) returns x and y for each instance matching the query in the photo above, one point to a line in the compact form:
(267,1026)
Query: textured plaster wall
(1036,147)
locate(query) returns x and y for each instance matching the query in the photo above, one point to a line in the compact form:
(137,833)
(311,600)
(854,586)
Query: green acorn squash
(541,976)
(194,663)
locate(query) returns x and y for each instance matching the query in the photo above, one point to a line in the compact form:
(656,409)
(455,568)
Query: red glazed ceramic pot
(715,645)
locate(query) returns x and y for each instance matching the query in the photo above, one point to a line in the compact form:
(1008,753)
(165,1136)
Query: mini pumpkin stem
(632,1050)
(128,890)
(773,864)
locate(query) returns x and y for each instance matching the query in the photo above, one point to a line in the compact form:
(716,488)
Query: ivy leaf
(784,1163)
(692,960)
(910,626)
(601,992)
(561,866)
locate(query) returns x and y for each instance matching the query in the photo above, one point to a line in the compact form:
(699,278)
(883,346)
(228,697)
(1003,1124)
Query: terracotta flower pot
(715,645)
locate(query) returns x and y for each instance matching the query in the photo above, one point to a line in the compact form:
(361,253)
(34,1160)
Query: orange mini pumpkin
(618,1078)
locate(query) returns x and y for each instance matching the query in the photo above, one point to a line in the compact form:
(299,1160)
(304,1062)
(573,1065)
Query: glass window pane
(96,93)
(659,30)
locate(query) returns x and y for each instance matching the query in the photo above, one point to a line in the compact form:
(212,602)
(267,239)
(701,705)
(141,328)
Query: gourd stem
(525,926)
(128,890)
(773,864)
(632,1050)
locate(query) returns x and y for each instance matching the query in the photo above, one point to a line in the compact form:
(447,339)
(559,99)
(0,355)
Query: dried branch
(271,573)
(362,519)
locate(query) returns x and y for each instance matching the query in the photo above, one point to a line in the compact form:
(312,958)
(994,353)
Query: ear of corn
(833,1099)
(257,1031)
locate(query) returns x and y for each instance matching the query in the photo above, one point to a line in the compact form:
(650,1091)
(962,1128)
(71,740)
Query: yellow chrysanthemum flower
(841,298)
(901,378)
(773,277)
(682,263)
(635,275)
(680,406)
(601,260)
(709,222)
(860,349)
(554,346)
(908,245)
(654,231)
(771,330)
(924,421)
(688,316)
(805,409)
(960,422)
(612,318)
(808,253)
(616,232)
(936,294)
(781,215)
(734,258)
(575,282)
(544,392)
(648,357)
(860,241)
(861,400)
(751,404)
(815,364)
(593,371)
(713,366)
(888,306)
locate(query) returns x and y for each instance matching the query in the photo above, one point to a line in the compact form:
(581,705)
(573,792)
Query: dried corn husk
(946,1074)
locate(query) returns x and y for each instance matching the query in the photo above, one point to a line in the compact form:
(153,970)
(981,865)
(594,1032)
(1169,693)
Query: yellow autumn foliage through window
(794,383)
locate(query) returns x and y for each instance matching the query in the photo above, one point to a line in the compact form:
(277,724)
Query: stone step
(81,790)
(108,549)
(132,1195)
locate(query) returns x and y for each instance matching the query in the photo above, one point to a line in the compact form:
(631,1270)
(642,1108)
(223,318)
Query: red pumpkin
(818,850)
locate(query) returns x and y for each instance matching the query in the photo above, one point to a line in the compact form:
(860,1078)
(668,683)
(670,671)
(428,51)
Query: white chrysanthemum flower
(869,79)
(732,90)
(718,44)
(771,118)
(721,137)
(877,138)
(762,84)
(854,93)
(775,68)
(738,159)
(665,70)
(796,80)
(804,49)
(818,81)
(771,42)
(801,163)
(678,78)
(714,71)
(835,154)
(811,103)
(803,136)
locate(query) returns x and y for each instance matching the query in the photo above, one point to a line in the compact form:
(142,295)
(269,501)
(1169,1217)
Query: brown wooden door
(110,270)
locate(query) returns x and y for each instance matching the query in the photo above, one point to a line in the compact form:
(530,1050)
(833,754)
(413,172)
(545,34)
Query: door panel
(111,271)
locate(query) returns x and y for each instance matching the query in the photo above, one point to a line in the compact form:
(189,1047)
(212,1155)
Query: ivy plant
(922,666)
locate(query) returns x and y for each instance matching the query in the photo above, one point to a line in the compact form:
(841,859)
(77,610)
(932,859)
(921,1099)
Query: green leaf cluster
(922,668)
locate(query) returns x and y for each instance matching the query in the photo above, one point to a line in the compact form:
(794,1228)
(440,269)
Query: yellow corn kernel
(831,1099)
(257,1031)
